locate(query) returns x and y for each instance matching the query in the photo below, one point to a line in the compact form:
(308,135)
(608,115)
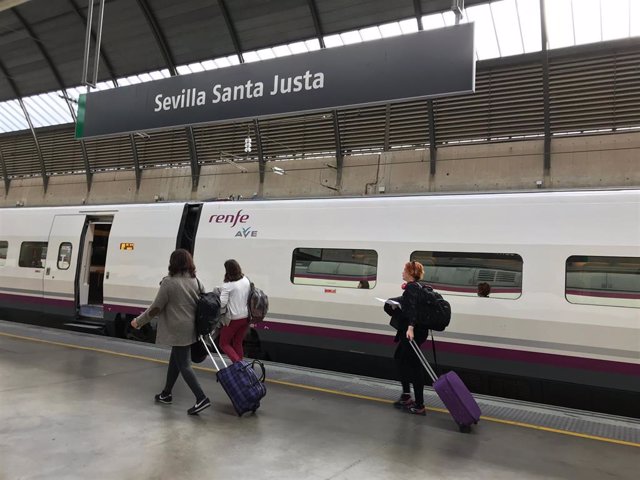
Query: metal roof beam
(16,91)
(232,29)
(417,8)
(159,35)
(316,21)
(58,77)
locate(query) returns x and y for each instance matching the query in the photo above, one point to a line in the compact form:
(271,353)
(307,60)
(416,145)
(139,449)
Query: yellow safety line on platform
(335,392)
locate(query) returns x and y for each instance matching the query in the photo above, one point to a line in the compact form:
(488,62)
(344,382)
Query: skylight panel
(298,47)
(615,19)
(250,57)
(156,75)
(41,116)
(12,113)
(485,34)
(371,33)
(432,22)
(331,41)
(281,51)
(529,20)
(390,30)
(352,37)
(634,19)
(313,44)
(410,25)
(505,17)
(559,21)
(449,18)
(265,54)
(586,21)
(183,70)
(196,67)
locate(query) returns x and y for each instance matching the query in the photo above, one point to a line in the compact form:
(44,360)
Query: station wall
(597,161)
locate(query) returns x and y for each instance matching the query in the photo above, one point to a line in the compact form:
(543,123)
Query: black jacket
(407,313)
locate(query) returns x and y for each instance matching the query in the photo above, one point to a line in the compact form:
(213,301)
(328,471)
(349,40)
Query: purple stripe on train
(465,349)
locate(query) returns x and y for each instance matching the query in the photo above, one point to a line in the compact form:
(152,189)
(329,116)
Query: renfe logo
(232,219)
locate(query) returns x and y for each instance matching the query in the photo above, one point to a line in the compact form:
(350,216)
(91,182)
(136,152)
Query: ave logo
(245,232)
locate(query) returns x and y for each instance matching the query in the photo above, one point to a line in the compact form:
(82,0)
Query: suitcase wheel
(465,428)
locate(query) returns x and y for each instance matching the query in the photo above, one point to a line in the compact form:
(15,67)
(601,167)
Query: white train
(561,324)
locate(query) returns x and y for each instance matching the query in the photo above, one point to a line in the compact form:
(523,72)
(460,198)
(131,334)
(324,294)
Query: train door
(90,281)
(61,264)
(189,227)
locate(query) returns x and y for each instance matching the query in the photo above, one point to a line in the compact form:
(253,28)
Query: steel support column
(433,151)
(262,164)
(545,91)
(232,29)
(5,174)
(136,161)
(417,8)
(58,78)
(339,154)
(16,91)
(195,164)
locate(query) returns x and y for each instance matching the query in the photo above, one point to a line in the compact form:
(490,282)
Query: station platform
(78,406)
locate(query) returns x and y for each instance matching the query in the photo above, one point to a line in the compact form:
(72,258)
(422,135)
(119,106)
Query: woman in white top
(234,294)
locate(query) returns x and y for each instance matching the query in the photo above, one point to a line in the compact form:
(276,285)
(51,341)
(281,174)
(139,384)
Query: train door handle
(48,271)
(107,276)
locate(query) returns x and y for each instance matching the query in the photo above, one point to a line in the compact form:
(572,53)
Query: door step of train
(92,311)
(85,326)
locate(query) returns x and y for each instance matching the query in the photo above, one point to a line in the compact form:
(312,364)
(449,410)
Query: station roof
(42,41)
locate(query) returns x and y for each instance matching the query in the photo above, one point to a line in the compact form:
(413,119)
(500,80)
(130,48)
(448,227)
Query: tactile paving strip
(568,420)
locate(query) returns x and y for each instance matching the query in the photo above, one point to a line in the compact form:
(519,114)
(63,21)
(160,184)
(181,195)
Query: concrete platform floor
(68,413)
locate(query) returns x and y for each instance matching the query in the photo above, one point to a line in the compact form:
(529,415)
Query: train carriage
(561,324)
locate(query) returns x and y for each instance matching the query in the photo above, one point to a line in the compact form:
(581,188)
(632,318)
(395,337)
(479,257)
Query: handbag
(198,352)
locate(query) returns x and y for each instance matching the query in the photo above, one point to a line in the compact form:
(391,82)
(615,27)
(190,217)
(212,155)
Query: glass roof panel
(13,114)
(410,25)
(559,20)
(371,33)
(250,57)
(431,22)
(183,70)
(485,34)
(313,44)
(505,17)
(586,21)
(634,19)
(529,20)
(349,38)
(298,47)
(282,51)
(331,41)
(40,115)
(390,30)
(265,54)
(615,19)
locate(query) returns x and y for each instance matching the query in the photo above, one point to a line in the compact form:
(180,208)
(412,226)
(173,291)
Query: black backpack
(207,311)
(434,312)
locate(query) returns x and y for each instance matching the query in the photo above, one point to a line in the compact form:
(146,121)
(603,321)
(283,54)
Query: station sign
(424,64)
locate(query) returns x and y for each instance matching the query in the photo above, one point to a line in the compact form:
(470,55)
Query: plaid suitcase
(240,382)
(454,394)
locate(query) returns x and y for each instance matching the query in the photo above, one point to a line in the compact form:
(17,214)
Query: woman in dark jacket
(409,368)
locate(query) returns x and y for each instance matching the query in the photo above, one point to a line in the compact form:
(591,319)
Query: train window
(613,281)
(33,254)
(64,256)
(4,246)
(495,275)
(334,267)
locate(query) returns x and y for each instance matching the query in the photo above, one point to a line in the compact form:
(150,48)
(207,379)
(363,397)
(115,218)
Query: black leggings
(410,370)
(180,362)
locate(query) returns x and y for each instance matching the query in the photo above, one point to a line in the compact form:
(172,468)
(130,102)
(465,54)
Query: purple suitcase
(454,394)
(240,382)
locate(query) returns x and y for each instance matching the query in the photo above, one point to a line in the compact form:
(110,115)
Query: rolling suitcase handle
(423,360)
(209,351)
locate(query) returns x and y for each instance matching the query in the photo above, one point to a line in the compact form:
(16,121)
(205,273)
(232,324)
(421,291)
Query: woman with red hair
(409,367)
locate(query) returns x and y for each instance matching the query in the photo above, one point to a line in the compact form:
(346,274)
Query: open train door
(62,266)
